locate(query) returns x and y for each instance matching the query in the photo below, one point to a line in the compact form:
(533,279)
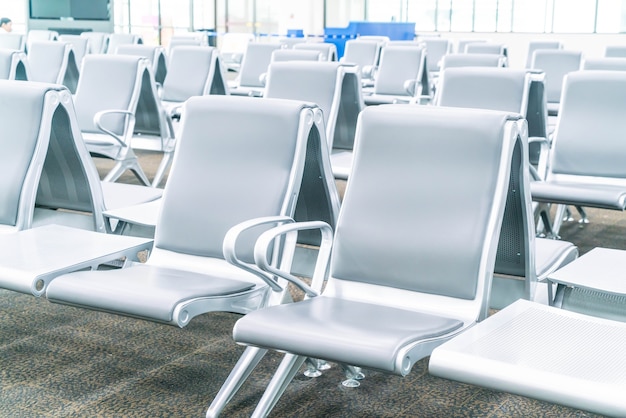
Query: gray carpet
(59,361)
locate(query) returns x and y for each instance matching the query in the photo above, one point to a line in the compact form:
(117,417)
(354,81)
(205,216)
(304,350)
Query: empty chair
(233,48)
(16,41)
(336,89)
(156,55)
(249,81)
(327,50)
(53,62)
(98,41)
(472,60)
(80,46)
(615,51)
(486,48)
(117,39)
(520,91)
(555,63)
(436,49)
(295,55)
(13,65)
(371,314)
(401,77)
(193,38)
(110,91)
(462,44)
(611,63)
(192,71)
(40,35)
(365,54)
(540,44)
(186,273)
(585,167)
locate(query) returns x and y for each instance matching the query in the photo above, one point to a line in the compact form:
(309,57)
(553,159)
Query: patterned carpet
(59,361)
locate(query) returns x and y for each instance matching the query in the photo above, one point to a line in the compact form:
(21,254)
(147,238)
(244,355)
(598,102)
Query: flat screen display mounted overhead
(70,9)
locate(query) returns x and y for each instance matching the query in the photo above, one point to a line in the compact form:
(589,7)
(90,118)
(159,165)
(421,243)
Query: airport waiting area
(394,224)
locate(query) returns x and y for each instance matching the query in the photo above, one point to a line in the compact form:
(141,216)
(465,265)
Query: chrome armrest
(97,120)
(230,243)
(321,264)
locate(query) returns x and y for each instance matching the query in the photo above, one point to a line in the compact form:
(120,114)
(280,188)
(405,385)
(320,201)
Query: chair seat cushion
(599,196)
(144,291)
(340,330)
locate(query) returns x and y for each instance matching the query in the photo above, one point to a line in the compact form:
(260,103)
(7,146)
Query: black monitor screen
(70,9)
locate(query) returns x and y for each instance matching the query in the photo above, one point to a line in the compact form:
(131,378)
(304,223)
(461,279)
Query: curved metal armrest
(411,86)
(97,119)
(539,172)
(230,242)
(321,264)
(368,72)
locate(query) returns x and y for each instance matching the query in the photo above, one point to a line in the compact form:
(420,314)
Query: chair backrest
(472,60)
(193,71)
(362,52)
(398,64)
(327,49)
(195,39)
(40,35)
(53,62)
(13,65)
(154,53)
(334,87)
(117,39)
(404,145)
(295,55)
(556,63)
(80,46)
(16,41)
(588,139)
(540,44)
(610,63)
(257,58)
(486,48)
(48,161)
(436,49)
(216,151)
(98,41)
(462,44)
(109,81)
(615,51)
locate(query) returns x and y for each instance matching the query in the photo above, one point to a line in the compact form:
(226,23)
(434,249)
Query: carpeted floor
(59,361)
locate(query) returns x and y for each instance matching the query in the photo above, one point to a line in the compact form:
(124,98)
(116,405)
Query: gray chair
(556,64)
(391,297)
(16,41)
(34,35)
(401,77)
(486,48)
(13,65)
(540,44)
(257,58)
(115,99)
(98,41)
(52,199)
(192,71)
(155,54)
(472,60)
(189,39)
(336,89)
(326,49)
(186,273)
(365,53)
(80,46)
(117,39)
(53,62)
(615,51)
(611,63)
(291,54)
(585,167)
(462,44)
(63,187)
(436,49)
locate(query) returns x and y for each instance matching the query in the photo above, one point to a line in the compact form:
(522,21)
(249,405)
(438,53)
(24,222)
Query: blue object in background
(395,31)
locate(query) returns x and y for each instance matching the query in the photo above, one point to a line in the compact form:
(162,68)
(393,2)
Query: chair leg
(281,379)
(160,172)
(121,166)
(244,367)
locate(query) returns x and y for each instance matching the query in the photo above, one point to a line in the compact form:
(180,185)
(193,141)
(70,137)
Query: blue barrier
(400,31)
